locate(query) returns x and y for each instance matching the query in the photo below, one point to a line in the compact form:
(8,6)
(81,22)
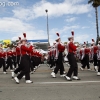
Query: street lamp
(47,25)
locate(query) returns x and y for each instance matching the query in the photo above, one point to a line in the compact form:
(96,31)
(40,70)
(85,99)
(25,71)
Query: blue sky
(64,16)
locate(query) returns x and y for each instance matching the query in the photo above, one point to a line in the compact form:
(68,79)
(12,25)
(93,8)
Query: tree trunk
(97,28)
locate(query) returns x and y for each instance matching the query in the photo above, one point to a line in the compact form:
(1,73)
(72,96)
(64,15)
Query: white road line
(77,82)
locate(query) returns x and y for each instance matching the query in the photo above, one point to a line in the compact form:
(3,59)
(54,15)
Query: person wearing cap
(59,57)
(24,62)
(14,57)
(49,56)
(72,60)
(2,60)
(98,58)
(85,57)
(18,58)
(18,52)
(52,55)
(33,59)
(94,53)
(9,59)
(82,54)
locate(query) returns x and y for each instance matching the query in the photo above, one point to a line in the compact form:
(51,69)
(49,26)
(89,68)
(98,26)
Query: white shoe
(23,76)
(36,67)
(89,69)
(53,70)
(5,72)
(48,65)
(67,64)
(29,81)
(31,72)
(62,75)
(76,78)
(96,68)
(81,68)
(68,78)
(17,80)
(64,72)
(12,74)
(98,74)
(13,67)
(53,75)
(34,70)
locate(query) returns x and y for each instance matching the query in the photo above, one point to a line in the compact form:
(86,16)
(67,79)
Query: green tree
(95,4)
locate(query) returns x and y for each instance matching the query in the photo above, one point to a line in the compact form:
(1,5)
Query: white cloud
(71,19)
(85,27)
(65,29)
(89,15)
(82,38)
(13,25)
(54,9)
(16,27)
(64,32)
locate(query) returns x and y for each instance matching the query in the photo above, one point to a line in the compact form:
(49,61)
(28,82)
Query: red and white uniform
(59,48)
(2,55)
(87,51)
(18,51)
(25,50)
(9,53)
(71,47)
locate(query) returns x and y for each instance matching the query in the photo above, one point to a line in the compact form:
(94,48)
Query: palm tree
(95,4)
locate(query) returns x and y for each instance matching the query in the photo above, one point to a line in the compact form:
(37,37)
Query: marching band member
(86,52)
(2,60)
(9,58)
(39,58)
(24,62)
(49,56)
(98,58)
(18,57)
(14,57)
(33,59)
(52,55)
(82,54)
(94,53)
(72,60)
(36,59)
(18,52)
(59,57)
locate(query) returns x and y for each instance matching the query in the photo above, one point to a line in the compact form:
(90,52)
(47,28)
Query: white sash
(57,52)
(83,53)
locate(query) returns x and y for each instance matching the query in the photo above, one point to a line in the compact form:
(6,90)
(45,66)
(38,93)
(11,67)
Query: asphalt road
(44,87)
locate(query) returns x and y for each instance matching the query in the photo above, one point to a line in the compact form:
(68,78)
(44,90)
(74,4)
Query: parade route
(44,87)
